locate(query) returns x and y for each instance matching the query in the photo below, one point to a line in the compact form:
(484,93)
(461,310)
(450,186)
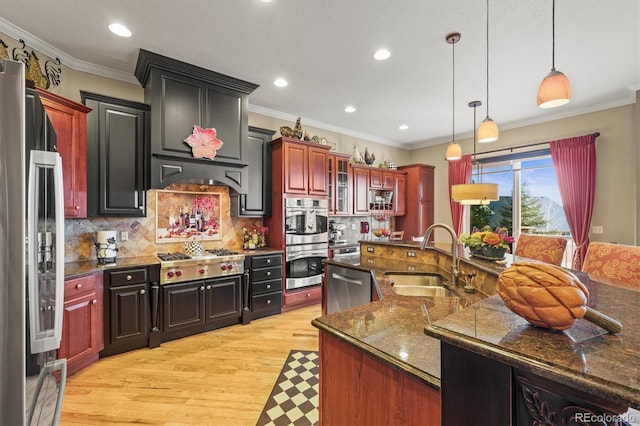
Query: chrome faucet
(454,249)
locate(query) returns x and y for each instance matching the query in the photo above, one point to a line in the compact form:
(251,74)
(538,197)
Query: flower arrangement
(487,242)
(255,237)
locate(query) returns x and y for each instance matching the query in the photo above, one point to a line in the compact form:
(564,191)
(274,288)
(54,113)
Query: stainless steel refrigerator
(32,380)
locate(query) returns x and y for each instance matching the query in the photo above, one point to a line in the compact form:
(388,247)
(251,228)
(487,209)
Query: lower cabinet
(196,306)
(82,332)
(129,307)
(266,278)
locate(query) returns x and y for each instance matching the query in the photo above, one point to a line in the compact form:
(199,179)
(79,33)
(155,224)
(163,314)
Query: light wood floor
(222,377)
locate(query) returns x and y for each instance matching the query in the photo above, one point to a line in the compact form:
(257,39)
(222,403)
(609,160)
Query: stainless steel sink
(419,284)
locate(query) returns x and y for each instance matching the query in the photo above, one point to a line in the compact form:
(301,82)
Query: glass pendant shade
(555,90)
(454,152)
(488,131)
(475,193)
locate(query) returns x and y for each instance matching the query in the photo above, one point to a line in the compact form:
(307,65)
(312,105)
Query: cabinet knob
(201,288)
(94,301)
(268,285)
(268,301)
(208,287)
(142,291)
(268,273)
(77,207)
(129,277)
(78,285)
(268,260)
(308,294)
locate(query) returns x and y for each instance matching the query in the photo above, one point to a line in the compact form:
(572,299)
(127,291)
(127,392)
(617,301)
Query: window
(530,200)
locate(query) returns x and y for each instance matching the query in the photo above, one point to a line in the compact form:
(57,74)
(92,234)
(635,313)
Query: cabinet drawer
(267,301)
(266,273)
(130,276)
(306,295)
(266,286)
(264,261)
(75,287)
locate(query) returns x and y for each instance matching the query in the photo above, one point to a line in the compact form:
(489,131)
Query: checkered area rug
(294,398)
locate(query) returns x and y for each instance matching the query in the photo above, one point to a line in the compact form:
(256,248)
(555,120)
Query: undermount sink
(418,284)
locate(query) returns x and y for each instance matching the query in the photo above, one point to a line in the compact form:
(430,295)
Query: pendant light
(454,152)
(555,89)
(474,193)
(488,130)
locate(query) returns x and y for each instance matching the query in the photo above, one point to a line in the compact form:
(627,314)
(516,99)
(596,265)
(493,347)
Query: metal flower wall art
(203,142)
(33,71)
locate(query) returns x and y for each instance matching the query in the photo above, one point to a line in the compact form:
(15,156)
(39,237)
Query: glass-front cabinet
(339,185)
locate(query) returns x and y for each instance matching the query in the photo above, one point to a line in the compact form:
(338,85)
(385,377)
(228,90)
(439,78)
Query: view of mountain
(551,211)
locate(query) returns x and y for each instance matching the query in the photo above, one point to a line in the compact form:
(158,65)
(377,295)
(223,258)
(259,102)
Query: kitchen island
(382,361)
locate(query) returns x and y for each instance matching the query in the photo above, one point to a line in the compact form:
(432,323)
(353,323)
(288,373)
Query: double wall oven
(306,241)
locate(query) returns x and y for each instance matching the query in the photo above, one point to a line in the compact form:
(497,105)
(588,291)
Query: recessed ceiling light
(266,1)
(280,82)
(403,127)
(350,109)
(381,54)
(119,29)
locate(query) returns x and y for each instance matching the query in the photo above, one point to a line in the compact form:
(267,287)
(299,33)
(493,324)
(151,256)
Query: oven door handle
(306,253)
(347,280)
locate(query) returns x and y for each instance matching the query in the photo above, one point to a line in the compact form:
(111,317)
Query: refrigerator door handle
(45,282)
(47,369)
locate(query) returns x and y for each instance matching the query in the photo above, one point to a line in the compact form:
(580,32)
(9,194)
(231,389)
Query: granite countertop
(584,357)
(392,329)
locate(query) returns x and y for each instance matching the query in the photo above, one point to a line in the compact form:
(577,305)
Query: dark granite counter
(584,357)
(405,332)
(76,269)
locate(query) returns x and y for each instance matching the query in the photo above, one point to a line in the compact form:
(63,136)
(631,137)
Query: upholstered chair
(542,248)
(616,264)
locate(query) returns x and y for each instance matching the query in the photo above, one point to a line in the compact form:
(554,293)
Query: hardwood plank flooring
(222,377)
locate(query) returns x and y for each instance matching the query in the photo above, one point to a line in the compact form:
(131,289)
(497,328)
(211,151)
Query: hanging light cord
(453,92)
(487,62)
(553,36)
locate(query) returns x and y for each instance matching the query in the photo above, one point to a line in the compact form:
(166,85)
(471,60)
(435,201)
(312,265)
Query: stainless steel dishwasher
(346,288)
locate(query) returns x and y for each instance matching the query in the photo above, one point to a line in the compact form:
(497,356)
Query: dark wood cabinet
(257,199)
(118,134)
(182,95)
(82,330)
(300,167)
(340,186)
(399,194)
(131,305)
(419,200)
(196,306)
(360,190)
(69,120)
(266,280)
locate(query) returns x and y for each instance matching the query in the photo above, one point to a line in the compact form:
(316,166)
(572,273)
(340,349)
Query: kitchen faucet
(454,250)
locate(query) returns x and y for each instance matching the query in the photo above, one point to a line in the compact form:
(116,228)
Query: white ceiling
(324,47)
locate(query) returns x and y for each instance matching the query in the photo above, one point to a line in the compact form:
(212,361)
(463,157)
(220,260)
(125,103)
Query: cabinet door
(360,191)
(223,298)
(80,322)
(399,193)
(388,180)
(117,134)
(296,169)
(69,120)
(183,305)
(318,176)
(342,187)
(257,200)
(375,179)
(129,313)
(224,112)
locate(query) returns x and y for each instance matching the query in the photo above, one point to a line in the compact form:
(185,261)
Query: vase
(488,252)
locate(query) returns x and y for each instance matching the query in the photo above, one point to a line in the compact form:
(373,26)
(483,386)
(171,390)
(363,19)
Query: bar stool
(615,264)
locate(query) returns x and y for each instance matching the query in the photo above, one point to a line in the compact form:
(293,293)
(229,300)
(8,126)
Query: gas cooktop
(184,256)
(178,267)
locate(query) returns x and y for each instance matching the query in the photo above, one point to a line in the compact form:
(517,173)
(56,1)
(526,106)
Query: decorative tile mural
(187,216)
(80,234)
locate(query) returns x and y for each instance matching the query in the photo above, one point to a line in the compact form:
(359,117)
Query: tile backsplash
(80,234)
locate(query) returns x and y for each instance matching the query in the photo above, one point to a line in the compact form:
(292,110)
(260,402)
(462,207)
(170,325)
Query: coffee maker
(336,233)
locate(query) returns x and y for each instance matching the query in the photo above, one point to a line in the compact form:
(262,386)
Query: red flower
(203,142)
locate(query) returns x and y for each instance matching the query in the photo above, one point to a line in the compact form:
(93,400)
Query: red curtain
(459,172)
(574,160)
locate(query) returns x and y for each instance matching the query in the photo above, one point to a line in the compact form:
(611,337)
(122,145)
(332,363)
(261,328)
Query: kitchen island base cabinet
(496,393)
(197,306)
(358,389)
(295,299)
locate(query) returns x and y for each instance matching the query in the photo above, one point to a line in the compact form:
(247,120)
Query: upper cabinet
(360,190)
(182,96)
(300,167)
(69,120)
(340,187)
(419,209)
(117,137)
(257,200)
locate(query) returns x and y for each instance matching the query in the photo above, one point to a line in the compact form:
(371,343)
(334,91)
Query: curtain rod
(596,134)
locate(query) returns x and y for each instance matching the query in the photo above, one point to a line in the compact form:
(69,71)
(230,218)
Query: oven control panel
(178,274)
